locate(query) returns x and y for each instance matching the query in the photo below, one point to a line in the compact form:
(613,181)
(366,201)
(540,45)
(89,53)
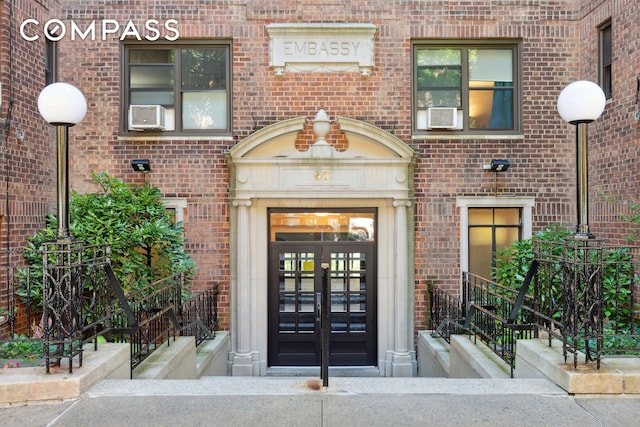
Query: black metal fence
(580,292)
(200,315)
(83,304)
(149,318)
(17,319)
(588,295)
(68,269)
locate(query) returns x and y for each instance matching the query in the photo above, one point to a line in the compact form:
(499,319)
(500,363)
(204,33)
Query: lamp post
(579,104)
(62,105)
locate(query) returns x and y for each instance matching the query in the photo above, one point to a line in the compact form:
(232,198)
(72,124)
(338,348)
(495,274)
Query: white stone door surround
(375,171)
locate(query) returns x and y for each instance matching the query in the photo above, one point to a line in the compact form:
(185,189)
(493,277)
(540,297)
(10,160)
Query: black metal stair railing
(583,293)
(84,302)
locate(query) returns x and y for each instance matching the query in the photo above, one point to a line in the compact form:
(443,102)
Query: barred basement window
(189,87)
(466,87)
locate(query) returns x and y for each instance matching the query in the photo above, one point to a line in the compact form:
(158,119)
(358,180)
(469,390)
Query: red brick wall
(614,137)
(558,40)
(27,168)
(28,164)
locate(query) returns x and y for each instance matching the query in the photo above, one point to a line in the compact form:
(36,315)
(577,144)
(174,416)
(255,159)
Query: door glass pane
(357,323)
(307,323)
(337,282)
(357,303)
(306,302)
(288,283)
(338,302)
(357,282)
(338,322)
(287,323)
(287,302)
(480,255)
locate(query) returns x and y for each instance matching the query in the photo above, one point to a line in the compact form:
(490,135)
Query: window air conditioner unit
(143,117)
(442,118)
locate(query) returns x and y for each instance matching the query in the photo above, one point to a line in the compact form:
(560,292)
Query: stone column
(402,365)
(242,359)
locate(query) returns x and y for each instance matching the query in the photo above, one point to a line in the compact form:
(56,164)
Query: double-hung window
(466,87)
(50,62)
(179,89)
(604,45)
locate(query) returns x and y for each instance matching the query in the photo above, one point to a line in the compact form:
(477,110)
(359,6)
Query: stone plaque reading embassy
(321,48)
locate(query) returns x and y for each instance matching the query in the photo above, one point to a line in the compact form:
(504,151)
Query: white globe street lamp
(579,104)
(62,105)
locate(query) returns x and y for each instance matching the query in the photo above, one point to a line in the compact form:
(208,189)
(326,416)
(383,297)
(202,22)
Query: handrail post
(325,325)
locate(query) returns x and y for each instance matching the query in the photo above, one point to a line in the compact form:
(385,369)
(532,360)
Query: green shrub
(146,245)
(513,262)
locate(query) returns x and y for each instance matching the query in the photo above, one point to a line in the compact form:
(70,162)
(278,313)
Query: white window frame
(464,203)
(179,204)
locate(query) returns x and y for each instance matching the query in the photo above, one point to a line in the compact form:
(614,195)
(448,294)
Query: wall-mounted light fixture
(496,165)
(141,165)
(62,105)
(579,104)
(499,165)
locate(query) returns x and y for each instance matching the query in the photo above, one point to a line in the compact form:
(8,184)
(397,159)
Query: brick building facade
(550,44)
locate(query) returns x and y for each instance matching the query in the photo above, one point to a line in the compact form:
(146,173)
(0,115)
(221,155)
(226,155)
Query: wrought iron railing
(82,302)
(486,310)
(583,293)
(590,295)
(68,269)
(155,321)
(17,318)
(199,316)
(447,313)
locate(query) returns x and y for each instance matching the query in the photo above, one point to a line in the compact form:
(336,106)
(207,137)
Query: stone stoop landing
(617,375)
(20,386)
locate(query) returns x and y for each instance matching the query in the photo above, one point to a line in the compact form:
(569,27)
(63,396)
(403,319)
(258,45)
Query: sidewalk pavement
(300,401)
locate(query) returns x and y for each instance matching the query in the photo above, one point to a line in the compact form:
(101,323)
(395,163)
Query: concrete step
(273,386)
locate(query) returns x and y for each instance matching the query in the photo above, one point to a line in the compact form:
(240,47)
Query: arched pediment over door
(371,168)
(268,164)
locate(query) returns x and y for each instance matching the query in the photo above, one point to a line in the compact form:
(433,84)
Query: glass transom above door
(322,226)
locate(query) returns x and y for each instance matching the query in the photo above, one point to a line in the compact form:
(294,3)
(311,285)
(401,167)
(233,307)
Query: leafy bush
(146,245)
(513,262)
(20,347)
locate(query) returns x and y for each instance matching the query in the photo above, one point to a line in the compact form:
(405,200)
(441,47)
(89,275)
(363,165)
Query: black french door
(295,287)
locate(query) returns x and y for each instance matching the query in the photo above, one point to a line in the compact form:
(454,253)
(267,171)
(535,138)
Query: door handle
(318,306)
